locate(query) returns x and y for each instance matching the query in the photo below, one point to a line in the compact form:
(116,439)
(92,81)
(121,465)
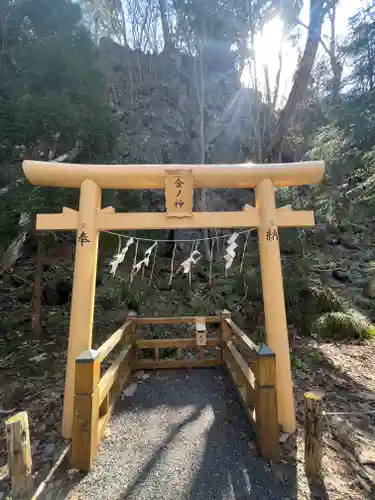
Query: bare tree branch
(70,155)
(321,41)
(277,82)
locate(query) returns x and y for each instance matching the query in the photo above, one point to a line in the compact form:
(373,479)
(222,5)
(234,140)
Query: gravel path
(183,436)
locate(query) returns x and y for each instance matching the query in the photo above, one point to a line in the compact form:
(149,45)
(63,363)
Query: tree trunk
(171,243)
(267,84)
(164,23)
(301,79)
(36,323)
(123,27)
(370,66)
(202,196)
(277,82)
(336,66)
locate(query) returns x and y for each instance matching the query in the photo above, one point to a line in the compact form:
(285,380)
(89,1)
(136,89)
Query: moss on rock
(341,325)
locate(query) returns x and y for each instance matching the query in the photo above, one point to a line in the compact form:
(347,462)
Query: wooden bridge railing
(95,394)
(177,343)
(255,384)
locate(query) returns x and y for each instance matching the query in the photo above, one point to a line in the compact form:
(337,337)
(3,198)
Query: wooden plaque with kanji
(179,193)
(201,331)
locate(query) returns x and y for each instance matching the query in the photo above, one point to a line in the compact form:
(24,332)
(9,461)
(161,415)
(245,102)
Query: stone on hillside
(348,242)
(319,237)
(369,289)
(51,297)
(25,296)
(58,294)
(121,317)
(333,241)
(64,289)
(340,275)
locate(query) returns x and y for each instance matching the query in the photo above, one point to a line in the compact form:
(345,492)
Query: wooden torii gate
(179,181)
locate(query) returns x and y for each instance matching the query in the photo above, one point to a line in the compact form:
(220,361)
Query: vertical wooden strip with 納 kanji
(274,302)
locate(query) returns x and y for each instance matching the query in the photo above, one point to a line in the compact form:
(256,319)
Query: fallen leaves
(342,371)
(39,357)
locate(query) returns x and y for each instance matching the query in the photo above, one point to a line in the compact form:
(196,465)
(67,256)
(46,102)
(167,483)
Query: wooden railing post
(130,335)
(19,454)
(267,427)
(86,410)
(313,435)
(226,333)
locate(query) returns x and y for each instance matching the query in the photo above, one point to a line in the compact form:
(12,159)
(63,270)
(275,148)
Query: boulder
(58,294)
(50,296)
(348,242)
(64,289)
(340,275)
(369,289)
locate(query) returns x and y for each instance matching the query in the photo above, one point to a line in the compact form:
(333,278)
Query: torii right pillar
(274,302)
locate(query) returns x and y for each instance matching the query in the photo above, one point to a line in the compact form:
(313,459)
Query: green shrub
(337,325)
(327,300)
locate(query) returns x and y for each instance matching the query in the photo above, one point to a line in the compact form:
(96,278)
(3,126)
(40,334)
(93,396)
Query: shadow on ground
(349,399)
(183,435)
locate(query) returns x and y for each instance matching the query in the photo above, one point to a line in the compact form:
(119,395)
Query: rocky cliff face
(157,98)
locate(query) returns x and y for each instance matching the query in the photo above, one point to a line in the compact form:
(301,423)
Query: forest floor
(32,378)
(32,373)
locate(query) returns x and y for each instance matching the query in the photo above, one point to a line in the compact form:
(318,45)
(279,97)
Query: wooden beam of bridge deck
(249,218)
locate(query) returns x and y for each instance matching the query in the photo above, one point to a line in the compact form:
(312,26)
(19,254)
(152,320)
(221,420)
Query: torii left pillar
(82,309)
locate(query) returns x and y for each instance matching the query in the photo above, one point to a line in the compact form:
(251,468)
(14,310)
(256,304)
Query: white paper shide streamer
(193,259)
(232,244)
(146,260)
(230,250)
(119,258)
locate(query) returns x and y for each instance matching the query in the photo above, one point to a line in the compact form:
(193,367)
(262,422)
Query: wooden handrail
(110,376)
(256,385)
(242,365)
(150,364)
(177,343)
(113,340)
(244,340)
(178,320)
(243,379)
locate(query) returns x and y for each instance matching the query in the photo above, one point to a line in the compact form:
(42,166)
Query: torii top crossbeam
(246,175)
(179,182)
